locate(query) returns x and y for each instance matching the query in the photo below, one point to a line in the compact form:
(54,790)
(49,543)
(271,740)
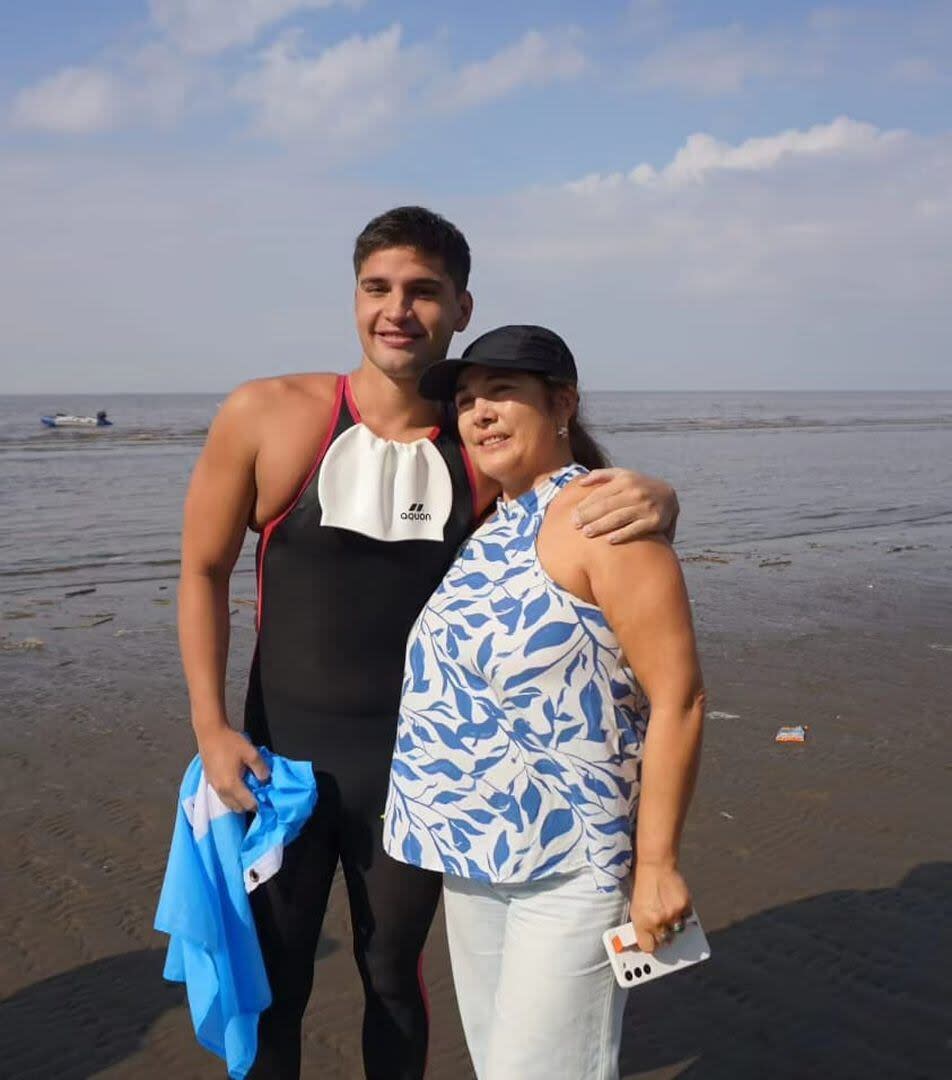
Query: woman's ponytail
(585,450)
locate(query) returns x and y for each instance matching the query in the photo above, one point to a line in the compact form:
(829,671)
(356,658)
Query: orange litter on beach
(796,734)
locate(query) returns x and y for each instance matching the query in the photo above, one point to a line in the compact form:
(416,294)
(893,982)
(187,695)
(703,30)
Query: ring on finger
(678,926)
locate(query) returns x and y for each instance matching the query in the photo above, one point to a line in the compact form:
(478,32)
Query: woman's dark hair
(585,450)
(417,227)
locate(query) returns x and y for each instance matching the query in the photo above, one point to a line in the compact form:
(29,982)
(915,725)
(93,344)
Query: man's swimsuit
(342,574)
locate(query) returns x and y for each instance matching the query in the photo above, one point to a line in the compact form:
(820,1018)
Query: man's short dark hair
(417,227)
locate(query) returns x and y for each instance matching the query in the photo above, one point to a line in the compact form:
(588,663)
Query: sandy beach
(817,544)
(823,872)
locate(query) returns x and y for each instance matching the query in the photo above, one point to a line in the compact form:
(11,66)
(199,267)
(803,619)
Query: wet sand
(823,872)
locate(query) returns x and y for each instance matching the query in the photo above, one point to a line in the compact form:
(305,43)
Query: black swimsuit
(342,576)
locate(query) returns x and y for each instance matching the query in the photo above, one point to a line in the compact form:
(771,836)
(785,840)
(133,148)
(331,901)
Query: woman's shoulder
(560,509)
(647,552)
(572,491)
(560,544)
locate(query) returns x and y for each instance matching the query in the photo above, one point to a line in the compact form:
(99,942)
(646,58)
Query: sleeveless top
(342,574)
(519,742)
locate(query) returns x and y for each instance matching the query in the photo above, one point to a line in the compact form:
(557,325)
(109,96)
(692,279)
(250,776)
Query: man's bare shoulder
(281,392)
(248,418)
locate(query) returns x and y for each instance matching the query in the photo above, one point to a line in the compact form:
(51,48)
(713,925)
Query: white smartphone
(633,967)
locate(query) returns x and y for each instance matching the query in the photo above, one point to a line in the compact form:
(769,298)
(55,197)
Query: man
(361,494)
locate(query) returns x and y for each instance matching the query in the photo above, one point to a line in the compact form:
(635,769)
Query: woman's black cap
(513,348)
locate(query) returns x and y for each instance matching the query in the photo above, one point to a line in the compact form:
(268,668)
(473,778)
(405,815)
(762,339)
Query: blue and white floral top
(519,740)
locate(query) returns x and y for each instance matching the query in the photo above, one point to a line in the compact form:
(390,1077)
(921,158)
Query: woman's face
(509,422)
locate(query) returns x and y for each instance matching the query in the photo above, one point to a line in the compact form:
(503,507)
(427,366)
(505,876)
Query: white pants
(536,992)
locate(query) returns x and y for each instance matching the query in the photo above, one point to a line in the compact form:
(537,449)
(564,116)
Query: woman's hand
(660,901)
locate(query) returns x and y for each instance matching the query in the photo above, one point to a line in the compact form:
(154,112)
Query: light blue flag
(214,862)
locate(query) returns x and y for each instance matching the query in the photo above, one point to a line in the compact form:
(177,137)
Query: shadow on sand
(73,1026)
(845,984)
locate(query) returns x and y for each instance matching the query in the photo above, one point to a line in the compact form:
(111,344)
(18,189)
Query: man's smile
(398,338)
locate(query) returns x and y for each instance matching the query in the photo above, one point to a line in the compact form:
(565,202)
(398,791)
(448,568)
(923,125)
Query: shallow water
(824,490)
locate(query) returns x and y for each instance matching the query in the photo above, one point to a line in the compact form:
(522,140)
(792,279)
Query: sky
(696,195)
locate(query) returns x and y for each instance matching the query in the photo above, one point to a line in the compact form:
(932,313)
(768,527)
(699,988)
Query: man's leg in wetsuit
(392,907)
(288,911)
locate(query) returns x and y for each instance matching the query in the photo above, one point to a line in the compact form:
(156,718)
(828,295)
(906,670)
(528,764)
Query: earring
(562,431)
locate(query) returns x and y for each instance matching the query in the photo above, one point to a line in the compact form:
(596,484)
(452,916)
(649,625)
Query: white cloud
(156,83)
(703,155)
(537,59)
(160,85)
(817,258)
(151,86)
(353,93)
(350,91)
(825,47)
(344,99)
(77,100)
(711,62)
(210,26)
(801,268)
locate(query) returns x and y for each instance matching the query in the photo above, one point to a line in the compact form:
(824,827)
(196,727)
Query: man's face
(407,310)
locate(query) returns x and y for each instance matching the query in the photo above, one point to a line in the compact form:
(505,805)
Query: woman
(523,746)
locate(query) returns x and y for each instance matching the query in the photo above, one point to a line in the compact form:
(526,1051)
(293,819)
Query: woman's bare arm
(640,590)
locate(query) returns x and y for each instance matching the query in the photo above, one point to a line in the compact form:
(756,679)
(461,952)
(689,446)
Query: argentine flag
(214,862)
